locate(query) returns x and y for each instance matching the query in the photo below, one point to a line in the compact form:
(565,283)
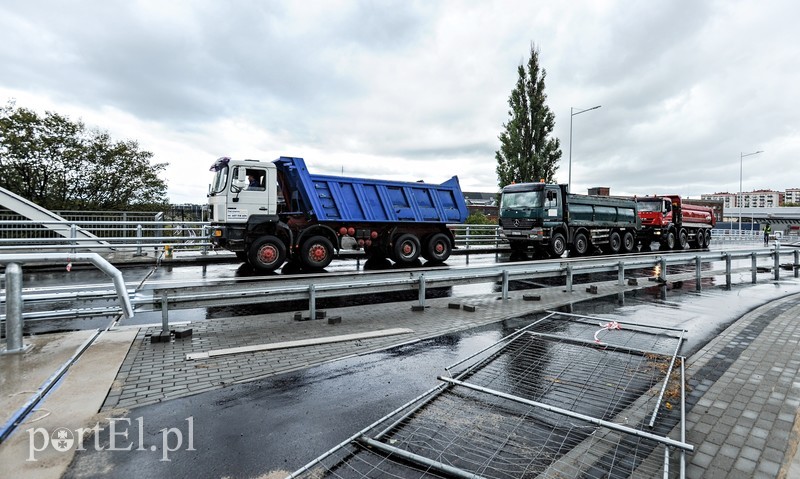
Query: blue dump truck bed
(339,198)
(602,211)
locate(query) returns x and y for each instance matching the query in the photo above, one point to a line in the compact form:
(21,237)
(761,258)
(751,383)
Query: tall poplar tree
(527,152)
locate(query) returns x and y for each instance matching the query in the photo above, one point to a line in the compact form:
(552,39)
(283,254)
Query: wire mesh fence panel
(570,397)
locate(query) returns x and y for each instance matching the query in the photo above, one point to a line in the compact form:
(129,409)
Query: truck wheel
(267,254)
(406,249)
(580,244)
(614,243)
(558,244)
(707,239)
(317,252)
(628,242)
(437,248)
(669,241)
(683,239)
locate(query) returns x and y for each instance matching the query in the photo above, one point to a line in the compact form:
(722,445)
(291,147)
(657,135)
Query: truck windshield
(219,181)
(651,206)
(522,200)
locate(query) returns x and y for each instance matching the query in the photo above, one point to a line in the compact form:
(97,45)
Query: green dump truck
(550,221)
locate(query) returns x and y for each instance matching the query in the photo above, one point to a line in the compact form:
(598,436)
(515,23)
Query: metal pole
(777,267)
(754,268)
(422,290)
(164,312)
(14,309)
(569,277)
(728,270)
(139,240)
(796,262)
(73,234)
(505,284)
(621,274)
(698,273)
(312,302)
(741,201)
(571,114)
(663,273)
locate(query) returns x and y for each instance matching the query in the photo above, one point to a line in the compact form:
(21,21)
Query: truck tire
(266,254)
(558,244)
(580,244)
(707,240)
(437,248)
(669,241)
(683,239)
(628,242)
(316,252)
(406,249)
(614,243)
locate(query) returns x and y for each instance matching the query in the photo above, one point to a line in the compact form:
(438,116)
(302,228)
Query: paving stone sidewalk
(744,396)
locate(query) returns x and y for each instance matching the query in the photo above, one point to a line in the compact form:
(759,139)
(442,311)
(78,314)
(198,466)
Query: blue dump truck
(268,213)
(551,221)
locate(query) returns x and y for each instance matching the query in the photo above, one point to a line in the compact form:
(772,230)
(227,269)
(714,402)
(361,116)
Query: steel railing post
(14,309)
(663,273)
(73,236)
(467,239)
(777,260)
(796,262)
(621,274)
(753,268)
(698,273)
(569,277)
(496,243)
(505,284)
(164,312)
(422,290)
(204,251)
(728,270)
(139,240)
(312,302)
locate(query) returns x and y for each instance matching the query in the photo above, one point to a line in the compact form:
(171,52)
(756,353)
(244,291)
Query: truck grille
(517,223)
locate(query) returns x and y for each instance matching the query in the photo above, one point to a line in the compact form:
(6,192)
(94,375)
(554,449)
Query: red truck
(674,223)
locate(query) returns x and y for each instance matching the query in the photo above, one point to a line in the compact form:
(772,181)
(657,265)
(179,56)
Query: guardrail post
(753,268)
(777,260)
(467,238)
(728,270)
(663,273)
(422,290)
(204,250)
(14,310)
(496,243)
(796,262)
(621,274)
(505,284)
(569,277)
(73,235)
(312,302)
(164,312)
(698,273)
(139,240)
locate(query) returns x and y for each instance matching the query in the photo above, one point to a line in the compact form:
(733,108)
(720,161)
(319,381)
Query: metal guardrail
(13,294)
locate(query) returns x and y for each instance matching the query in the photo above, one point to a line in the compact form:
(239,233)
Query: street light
(741,201)
(571,114)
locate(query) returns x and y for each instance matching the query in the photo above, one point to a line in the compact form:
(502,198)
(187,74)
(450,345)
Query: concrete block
(335,320)
(417,308)
(454,306)
(162,337)
(592,289)
(183,333)
(469,309)
(320,315)
(633,282)
(531,297)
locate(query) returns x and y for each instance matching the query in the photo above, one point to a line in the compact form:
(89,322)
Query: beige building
(750,199)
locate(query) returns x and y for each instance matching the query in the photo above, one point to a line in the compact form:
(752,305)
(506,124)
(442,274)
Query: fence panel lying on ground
(566,396)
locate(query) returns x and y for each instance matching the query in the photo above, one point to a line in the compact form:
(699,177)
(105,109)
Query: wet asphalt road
(281,423)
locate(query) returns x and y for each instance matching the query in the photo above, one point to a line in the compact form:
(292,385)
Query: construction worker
(767,231)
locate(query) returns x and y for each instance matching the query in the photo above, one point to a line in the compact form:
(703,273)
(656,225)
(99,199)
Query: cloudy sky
(413,90)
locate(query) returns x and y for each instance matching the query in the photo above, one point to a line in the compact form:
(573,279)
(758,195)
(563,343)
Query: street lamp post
(571,114)
(740,200)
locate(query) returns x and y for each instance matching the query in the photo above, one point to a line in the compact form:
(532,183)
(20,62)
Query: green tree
(62,165)
(478,218)
(527,153)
